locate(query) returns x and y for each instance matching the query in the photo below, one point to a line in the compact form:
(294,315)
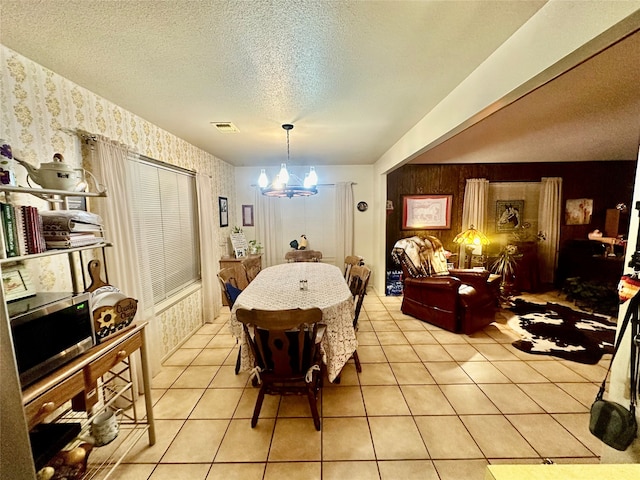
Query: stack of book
(71,228)
(23,231)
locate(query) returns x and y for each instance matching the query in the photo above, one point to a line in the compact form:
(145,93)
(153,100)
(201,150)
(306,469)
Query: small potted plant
(505,266)
(255,248)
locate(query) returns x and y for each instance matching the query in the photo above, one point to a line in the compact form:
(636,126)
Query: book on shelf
(9,228)
(3,244)
(22,227)
(33,230)
(65,235)
(71,221)
(73,241)
(42,246)
(20,230)
(28,231)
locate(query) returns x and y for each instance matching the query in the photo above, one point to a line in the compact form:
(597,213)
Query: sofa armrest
(445,282)
(476,278)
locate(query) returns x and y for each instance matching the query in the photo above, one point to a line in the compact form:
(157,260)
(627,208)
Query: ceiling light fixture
(287,184)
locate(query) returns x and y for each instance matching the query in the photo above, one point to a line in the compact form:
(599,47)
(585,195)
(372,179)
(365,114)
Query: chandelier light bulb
(263,181)
(313,177)
(307,181)
(283,176)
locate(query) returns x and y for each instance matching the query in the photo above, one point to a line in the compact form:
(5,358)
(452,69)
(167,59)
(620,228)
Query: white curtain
(269,228)
(211,294)
(474,208)
(127,265)
(549,215)
(344,221)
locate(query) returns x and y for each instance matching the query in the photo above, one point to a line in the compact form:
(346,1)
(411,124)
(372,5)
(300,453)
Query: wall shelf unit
(101,378)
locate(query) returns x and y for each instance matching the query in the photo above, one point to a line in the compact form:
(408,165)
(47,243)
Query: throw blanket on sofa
(423,257)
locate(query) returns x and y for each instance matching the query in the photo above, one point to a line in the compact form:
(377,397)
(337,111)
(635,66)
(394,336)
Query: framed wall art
(578,211)
(223,204)
(426,212)
(17,283)
(509,215)
(247,215)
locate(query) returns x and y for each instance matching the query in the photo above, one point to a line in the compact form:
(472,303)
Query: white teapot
(56,175)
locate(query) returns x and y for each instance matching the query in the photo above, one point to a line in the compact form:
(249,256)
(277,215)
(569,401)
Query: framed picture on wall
(247,215)
(509,215)
(578,211)
(426,212)
(223,204)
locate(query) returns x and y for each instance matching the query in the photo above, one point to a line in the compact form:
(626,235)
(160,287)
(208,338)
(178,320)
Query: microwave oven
(49,330)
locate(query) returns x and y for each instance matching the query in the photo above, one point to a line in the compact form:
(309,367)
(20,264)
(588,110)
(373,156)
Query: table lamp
(470,239)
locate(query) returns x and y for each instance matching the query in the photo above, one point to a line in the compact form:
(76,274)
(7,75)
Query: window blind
(166,215)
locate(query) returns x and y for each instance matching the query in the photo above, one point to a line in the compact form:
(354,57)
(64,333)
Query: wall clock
(362,206)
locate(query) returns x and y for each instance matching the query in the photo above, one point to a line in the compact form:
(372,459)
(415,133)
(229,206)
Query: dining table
(303,285)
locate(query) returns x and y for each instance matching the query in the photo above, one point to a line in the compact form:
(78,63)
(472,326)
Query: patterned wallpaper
(40,114)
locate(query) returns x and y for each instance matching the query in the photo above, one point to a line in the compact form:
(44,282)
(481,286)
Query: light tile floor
(428,404)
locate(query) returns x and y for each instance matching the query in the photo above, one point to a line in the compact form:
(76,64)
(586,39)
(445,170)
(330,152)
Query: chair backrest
(252,267)
(420,256)
(283,341)
(303,256)
(359,280)
(232,281)
(350,261)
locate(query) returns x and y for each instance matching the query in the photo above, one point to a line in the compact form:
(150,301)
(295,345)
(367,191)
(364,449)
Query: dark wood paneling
(607,183)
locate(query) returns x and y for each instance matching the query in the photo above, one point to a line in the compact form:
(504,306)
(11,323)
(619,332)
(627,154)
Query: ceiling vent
(225,127)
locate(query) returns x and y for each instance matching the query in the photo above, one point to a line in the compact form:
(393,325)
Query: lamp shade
(471,236)
(283,176)
(263,181)
(313,177)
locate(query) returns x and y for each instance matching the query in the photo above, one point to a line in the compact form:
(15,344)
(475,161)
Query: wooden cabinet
(527,274)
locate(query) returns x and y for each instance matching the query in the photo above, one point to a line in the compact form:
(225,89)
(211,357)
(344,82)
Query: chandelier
(287,184)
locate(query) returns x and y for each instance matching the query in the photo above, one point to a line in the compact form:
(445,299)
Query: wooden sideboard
(99,379)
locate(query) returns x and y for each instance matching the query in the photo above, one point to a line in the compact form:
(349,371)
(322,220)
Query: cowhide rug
(560,331)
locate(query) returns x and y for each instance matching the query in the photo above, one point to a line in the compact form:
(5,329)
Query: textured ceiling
(591,112)
(352,76)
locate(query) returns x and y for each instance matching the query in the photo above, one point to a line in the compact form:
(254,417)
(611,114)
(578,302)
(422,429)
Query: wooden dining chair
(286,348)
(232,281)
(350,261)
(252,267)
(303,256)
(229,284)
(358,282)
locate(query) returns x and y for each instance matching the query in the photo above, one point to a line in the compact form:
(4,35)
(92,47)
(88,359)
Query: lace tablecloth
(278,288)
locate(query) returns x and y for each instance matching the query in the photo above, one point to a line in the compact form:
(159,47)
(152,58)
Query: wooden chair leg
(356,359)
(313,404)
(258,407)
(238,360)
